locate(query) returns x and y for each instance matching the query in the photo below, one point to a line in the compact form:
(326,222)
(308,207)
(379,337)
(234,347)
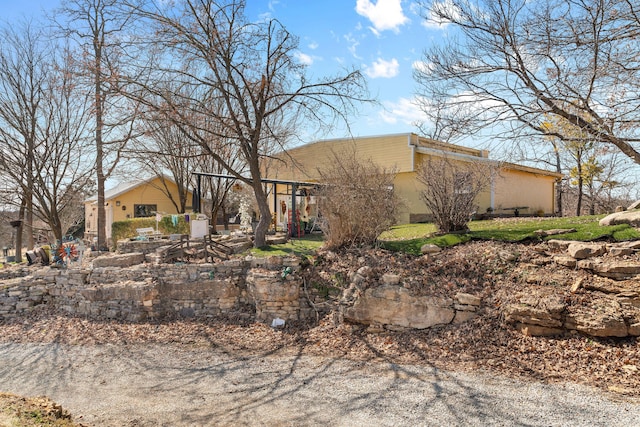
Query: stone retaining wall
(126,287)
(246,287)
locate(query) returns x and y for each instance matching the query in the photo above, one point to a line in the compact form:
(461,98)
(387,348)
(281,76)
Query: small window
(141,211)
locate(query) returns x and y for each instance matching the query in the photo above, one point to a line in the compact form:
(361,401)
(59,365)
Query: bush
(357,202)
(451,188)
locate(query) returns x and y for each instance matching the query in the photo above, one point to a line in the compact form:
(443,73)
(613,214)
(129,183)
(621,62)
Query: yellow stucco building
(515,189)
(137,199)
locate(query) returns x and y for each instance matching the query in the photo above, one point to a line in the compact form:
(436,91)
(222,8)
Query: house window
(141,211)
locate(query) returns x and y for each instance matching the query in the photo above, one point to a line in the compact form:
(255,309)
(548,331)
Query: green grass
(304,247)
(410,237)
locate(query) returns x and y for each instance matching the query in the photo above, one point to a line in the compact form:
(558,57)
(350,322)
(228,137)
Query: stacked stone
(21,295)
(466,307)
(124,287)
(275,288)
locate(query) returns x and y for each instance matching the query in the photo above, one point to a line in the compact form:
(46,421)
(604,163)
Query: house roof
(125,187)
(424,145)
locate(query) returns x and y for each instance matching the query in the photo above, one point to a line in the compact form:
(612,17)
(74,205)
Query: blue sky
(383,38)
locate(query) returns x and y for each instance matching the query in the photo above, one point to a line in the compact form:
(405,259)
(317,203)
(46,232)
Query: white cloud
(313,45)
(384,14)
(304,58)
(382,68)
(405,111)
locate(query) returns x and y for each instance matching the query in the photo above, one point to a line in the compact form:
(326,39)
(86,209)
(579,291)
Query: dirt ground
(485,345)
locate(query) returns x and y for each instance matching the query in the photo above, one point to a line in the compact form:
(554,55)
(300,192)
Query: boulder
(395,306)
(580,250)
(618,251)
(602,318)
(631,217)
(429,249)
(537,309)
(565,261)
(561,245)
(390,279)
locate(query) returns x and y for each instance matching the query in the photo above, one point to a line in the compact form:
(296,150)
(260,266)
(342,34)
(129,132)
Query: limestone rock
(619,270)
(609,286)
(618,251)
(603,318)
(468,299)
(122,261)
(429,249)
(586,250)
(537,309)
(463,316)
(394,305)
(565,261)
(390,279)
(634,329)
(538,331)
(554,232)
(561,245)
(631,217)
(576,285)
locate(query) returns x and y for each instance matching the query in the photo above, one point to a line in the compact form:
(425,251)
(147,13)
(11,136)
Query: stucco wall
(302,163)
(515,188)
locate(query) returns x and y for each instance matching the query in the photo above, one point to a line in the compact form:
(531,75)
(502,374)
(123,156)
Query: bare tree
(252,85)
(451,189)
(516,62)
(99,27)
(167,149)
(43,119)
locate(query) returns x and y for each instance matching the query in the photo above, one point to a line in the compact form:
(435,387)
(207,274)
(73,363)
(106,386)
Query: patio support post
(294,223)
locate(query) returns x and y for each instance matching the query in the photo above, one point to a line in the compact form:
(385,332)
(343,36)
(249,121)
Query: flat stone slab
(625,217)
(123,260)
(394,305)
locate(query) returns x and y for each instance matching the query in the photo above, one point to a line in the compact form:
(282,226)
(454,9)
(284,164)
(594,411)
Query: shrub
(356,201)
(451,188)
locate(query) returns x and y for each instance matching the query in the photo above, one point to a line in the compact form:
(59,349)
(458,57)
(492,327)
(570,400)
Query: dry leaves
(492,270)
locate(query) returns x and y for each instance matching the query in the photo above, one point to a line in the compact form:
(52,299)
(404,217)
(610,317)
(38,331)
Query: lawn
(304,247)
(410,237)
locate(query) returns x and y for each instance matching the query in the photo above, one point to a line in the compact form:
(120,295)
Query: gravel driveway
(169,385)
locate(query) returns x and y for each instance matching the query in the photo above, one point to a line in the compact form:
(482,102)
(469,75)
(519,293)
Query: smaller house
(137,199)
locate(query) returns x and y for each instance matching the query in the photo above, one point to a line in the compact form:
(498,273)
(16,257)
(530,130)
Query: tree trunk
(579,205)
(560,186)
(260,232)
(102,229)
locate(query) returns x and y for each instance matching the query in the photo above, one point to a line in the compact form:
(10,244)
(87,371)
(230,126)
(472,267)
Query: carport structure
(273,188)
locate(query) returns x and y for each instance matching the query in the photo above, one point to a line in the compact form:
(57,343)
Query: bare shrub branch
(451,189)
(357,201)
